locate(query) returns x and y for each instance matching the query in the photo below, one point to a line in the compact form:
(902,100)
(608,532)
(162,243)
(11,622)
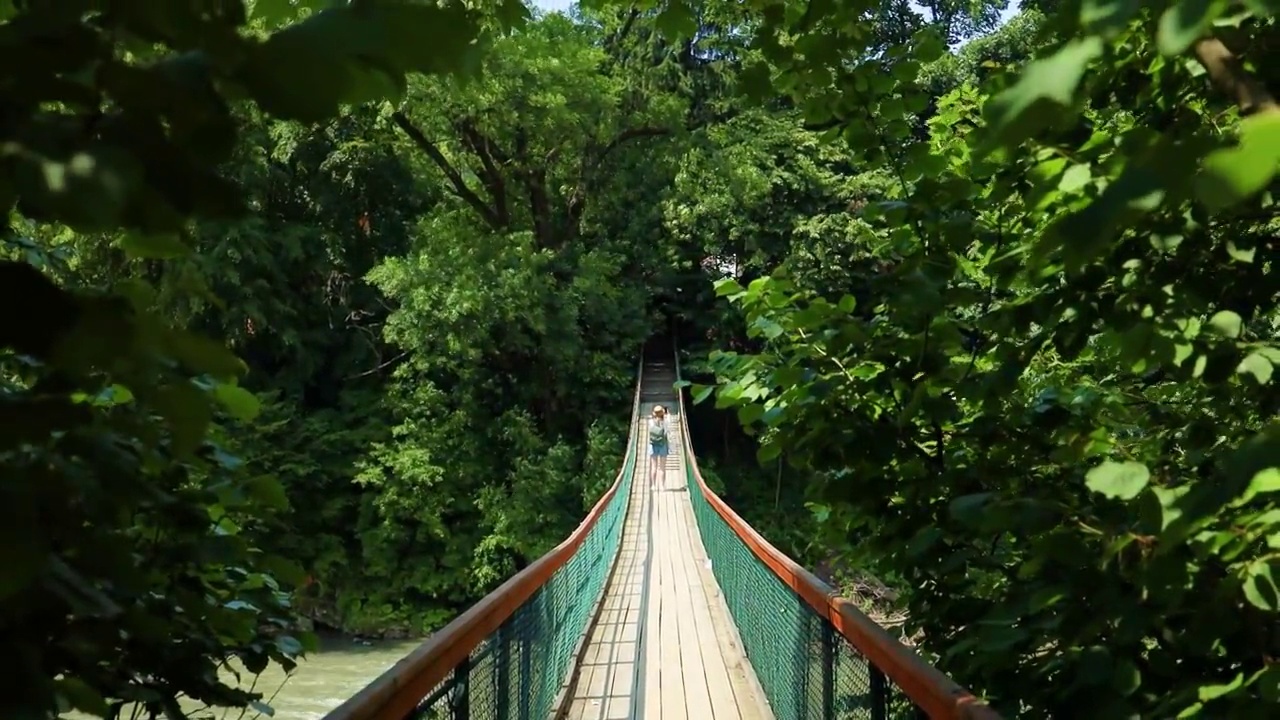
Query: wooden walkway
(663,646)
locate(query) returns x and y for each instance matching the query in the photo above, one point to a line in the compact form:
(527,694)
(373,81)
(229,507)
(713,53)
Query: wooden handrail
(926,686)
(394,694)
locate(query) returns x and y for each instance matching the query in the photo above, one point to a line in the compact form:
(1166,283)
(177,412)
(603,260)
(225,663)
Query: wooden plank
(652,689)
(715,618)
(600,688)
(673,688)
(715,666)
(693,674)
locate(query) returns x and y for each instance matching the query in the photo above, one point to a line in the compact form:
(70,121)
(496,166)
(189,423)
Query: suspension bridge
(663,605)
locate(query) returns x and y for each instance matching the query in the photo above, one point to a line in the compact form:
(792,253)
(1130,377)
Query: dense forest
(326,316)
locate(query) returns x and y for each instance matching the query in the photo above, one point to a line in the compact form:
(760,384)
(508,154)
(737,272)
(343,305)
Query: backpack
(657,432)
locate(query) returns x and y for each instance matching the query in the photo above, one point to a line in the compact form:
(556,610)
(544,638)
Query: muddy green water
(324,679)
(321,682)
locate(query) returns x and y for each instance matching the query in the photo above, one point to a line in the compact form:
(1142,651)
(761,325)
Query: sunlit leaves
(1184,22)
(1118,480)
(1045,89)
(1231,175)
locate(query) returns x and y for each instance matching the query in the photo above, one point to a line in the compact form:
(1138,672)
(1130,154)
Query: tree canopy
(324,316)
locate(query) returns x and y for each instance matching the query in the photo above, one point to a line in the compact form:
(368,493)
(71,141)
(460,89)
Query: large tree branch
(490,156)
(1230,77)
(544,225)
(625,136)
(460,187)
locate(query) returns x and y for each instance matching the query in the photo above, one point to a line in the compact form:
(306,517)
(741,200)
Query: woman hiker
(658,447)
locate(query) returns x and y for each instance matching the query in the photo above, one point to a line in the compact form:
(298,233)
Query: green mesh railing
(510,656)
(807,670)
(519,671)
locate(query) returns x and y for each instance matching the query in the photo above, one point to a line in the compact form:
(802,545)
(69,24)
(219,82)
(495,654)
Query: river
(324,679)
(319,684)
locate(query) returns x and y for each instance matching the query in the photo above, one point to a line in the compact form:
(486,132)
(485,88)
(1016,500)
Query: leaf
(1257,366)
(1213,692)
(1260,587)
(1226,324)
(1265,481)
(1076,177)
(1045,88)
(288,645)
(153,247)
(1126,678)
(677,21)
(240,403)
(203,356)
(23,544)
(968,508)
(81,696)
(701,392)
(1118,480)
(1184,22)
(356,52)
(728,286)
(35,334)
(1231,175)
(268,491)
(187,412)
(1106,16)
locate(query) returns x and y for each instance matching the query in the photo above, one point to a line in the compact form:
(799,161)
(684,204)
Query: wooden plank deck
(663,646)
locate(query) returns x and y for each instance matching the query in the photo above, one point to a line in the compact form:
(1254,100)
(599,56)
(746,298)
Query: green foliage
(1045,374)
(1005,336)
(133,570)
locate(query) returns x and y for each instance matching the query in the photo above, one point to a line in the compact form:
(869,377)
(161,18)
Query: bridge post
(879,694)
(503,660)
(526,679)
(828,671)
(461,700)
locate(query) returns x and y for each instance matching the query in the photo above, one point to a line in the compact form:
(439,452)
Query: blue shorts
(658,449)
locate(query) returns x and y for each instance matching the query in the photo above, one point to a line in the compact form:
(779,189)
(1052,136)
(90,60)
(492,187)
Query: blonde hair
(659,409)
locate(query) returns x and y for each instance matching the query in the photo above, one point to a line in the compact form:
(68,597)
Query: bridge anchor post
(828,672)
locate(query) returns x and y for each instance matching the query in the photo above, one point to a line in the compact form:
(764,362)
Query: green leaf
(81,696)
(1044,90)
(1265,481)
(968,508)
(268,491)
(1257,366)
(1231,175)
(289,645)
(187,412)
(727,286)
(1076,177)
(677,21)
(1185,22)
(1106,16)
(1213,692)
(702,392)
(203,356)
(1118,480)
(23,544)
(354,53)
(1126,678)
(240,403)
(1260,587)
(153,247)
(1226,323)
